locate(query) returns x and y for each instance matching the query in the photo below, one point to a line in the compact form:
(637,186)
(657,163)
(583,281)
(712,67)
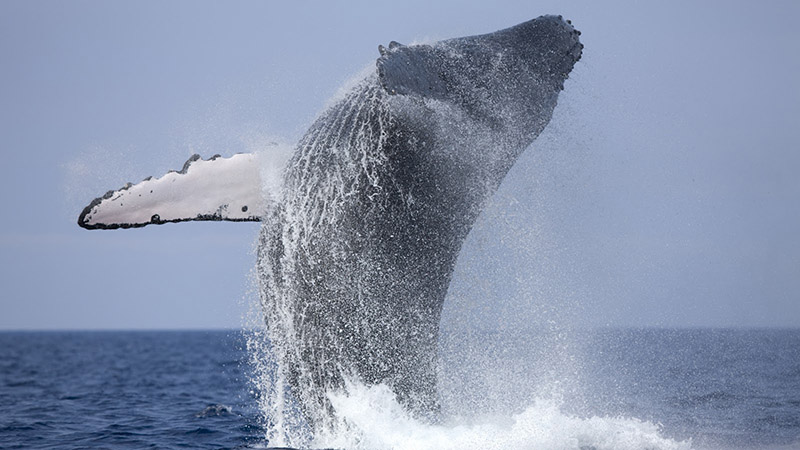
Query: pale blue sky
(665,192)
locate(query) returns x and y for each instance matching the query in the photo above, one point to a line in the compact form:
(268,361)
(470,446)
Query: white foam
(375,420)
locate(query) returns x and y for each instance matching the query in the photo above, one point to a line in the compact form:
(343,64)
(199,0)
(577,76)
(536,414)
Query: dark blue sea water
(722,388)
(719,388)
(124,390)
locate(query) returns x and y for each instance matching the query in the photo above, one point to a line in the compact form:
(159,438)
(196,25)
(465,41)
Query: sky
(663,193)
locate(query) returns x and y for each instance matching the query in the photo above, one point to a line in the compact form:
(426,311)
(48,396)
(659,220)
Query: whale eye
(155,218)
(244,208)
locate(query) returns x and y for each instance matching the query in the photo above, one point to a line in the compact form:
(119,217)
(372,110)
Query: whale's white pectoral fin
(215,189)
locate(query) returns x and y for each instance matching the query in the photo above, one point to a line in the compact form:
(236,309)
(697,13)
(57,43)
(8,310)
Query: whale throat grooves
(352,249)
(355,259)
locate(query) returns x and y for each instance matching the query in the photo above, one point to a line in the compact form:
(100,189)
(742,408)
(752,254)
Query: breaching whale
(357,249)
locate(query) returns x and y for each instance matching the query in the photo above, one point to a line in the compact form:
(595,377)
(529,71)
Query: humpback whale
(357,249)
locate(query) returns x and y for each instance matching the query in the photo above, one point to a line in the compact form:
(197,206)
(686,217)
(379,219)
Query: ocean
(621,388)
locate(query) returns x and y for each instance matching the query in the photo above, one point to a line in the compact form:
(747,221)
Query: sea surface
(715,389)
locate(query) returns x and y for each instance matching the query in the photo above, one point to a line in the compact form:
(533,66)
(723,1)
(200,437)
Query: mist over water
(605,389)
(508,399)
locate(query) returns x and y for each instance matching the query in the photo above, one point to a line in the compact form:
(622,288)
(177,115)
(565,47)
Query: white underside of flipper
(214,189)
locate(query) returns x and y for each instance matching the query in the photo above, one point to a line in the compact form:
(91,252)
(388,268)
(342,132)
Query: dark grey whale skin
(355,263)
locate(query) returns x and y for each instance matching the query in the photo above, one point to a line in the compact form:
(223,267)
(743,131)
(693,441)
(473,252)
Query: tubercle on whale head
(549,32)
(545,48)
(552,39)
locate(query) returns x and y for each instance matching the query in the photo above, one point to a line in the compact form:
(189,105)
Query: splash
(371,418)
(375,420)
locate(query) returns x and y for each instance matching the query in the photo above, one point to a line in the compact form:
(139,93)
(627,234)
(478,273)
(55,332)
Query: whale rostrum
(356,254)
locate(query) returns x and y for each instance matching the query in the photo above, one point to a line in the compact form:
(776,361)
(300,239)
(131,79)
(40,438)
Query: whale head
(509,79)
